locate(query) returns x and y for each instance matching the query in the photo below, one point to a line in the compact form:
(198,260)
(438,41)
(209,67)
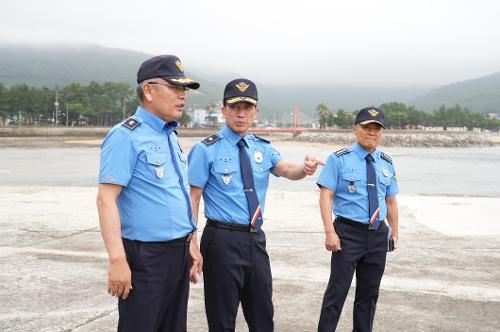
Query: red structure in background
(296,120)
(296,128)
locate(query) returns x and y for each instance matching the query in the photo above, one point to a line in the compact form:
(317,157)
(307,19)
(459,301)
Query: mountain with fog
(479,95)
(60,65)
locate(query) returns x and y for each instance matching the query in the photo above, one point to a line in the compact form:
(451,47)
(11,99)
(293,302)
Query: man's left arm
(297,171)
(194,249)
(393,217)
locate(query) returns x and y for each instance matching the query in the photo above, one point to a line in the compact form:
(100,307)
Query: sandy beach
(444,277)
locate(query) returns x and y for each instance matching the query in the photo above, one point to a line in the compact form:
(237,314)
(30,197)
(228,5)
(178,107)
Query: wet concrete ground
(53,275)
(54,266)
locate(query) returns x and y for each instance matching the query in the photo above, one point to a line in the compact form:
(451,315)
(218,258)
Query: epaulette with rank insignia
(131,123)
(342,151)
(386,157)
(211,139)
(262,139)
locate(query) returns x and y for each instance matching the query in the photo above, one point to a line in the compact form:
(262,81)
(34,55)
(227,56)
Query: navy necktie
(249,187)
(181,180)
(372,192)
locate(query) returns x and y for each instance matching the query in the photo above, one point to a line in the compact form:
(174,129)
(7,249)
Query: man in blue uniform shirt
(144,206)
(359,184)
(231,169)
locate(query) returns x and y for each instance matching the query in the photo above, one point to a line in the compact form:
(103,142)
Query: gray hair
(140,89)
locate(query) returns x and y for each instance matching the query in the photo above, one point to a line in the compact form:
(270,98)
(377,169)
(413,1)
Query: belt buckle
(189,237)
(371,227)
(253,229)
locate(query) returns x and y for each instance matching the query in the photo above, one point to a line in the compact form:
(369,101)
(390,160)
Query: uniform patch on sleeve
(341,152)
(262,139)
(386,157)
(211,139)
(131,123)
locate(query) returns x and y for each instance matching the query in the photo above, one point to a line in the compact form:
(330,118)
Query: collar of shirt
(234,138)
(155,122)
(362,153)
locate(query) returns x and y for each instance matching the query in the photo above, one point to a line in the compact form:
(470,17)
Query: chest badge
(226,178)
(159,170)
(257,155)
(351,187)
(385,171)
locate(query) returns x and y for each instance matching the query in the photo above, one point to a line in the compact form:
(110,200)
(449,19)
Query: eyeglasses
(177,88)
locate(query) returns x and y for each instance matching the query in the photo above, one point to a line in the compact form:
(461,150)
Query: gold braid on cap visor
(241,99)
(181,80)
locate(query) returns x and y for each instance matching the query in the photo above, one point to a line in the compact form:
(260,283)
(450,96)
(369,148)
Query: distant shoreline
(399,138)
(410,139)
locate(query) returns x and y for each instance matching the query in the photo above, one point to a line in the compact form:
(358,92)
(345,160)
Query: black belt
(181,240)
(232,227)
(343,220)
(173,243)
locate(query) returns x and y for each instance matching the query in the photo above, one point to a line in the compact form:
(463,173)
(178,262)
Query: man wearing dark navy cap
(231,170)
(145,212)
(359,185)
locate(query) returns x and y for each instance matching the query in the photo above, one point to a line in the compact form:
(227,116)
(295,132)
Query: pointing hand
(311,164)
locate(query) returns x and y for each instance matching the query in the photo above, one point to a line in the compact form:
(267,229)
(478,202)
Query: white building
(201,119)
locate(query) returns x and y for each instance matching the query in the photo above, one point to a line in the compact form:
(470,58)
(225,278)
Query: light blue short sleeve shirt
(345,175)
(149,164)
(215,168)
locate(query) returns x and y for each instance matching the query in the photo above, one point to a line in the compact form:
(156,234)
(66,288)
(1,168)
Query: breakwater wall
(407,139)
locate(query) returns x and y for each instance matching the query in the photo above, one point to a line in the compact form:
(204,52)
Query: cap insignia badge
(242,86)
(226,178)
(257,155)
(179,65)
(373,113)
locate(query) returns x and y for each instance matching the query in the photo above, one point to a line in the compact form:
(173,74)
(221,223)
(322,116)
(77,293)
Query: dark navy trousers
(236,269)
(364,252)
(160,281)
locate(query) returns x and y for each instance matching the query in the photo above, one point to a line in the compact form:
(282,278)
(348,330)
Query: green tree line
(402,116)
(91,105)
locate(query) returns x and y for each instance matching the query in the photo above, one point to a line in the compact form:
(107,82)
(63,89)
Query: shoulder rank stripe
(386,157)
(341,152)
(262,139)
(211,139)
(131,123)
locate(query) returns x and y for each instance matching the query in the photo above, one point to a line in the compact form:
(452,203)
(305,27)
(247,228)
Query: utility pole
(67,112)
(56,115)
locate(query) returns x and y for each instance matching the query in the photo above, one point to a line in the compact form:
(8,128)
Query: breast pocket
(385,180)
(351,182)
(226,174)
(261,173)
(157,166)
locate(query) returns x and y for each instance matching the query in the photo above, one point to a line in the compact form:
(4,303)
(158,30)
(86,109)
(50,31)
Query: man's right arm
(119,274)
(332,241)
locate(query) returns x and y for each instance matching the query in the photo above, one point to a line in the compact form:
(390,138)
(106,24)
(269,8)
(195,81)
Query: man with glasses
(231,170)
(145,212)
(359,185)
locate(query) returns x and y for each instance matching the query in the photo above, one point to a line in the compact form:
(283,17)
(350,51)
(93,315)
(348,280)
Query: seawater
(423,171)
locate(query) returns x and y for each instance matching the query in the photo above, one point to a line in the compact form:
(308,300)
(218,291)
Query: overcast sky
(363,42)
